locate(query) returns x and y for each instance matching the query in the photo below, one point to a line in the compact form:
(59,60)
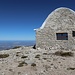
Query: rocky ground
(29,61)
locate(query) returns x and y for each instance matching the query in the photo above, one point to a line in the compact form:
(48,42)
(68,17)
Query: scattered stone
(14,65)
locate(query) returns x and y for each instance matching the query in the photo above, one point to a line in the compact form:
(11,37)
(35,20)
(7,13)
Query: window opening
(62,36)
(73,33)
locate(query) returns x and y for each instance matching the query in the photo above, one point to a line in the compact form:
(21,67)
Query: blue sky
(19,18)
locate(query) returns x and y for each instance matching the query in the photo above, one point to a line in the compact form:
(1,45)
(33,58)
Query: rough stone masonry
(57,31)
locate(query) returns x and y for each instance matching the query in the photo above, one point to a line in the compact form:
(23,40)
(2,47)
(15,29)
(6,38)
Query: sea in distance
(4,45)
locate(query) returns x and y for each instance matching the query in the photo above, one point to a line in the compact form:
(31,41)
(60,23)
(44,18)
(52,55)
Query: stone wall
(62,20)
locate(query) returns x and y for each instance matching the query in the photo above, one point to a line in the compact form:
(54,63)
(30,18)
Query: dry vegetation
(64,54)
(21,64)
(44,53)
(27,61)
(4,55)
(70,68)
(16,47)
(33,64)
(24,56)
(37,56)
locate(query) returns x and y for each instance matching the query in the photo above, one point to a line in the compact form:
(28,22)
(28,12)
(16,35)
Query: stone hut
(57,31)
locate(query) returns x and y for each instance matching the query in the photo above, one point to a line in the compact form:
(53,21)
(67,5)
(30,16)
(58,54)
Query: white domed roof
(63,14)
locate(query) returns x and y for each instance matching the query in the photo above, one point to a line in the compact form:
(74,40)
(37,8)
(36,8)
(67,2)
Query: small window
(73,33)
(62,36)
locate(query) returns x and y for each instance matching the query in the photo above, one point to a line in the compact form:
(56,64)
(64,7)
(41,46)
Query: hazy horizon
(4,45)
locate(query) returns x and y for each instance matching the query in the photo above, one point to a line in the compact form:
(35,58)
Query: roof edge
(43,25)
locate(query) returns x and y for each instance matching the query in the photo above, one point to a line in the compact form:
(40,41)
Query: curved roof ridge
(52,14)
